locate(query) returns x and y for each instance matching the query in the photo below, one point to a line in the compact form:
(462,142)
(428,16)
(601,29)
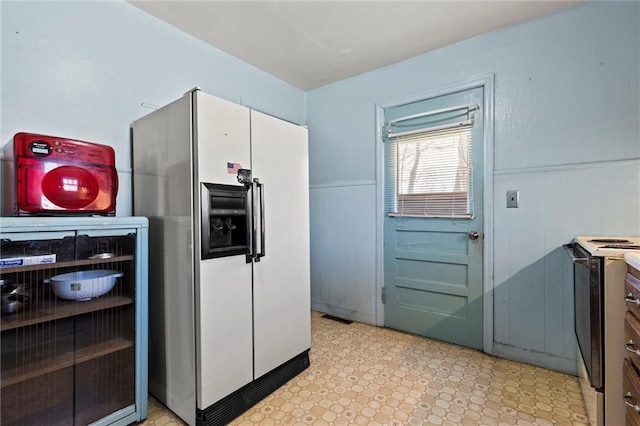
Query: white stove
(609,246)
(599,309)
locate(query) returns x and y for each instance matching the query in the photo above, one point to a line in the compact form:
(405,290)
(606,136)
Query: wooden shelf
(58,265)
(53,309)
(65,360)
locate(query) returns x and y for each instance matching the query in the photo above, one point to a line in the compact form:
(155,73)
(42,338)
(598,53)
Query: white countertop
(609,246)
(633,259)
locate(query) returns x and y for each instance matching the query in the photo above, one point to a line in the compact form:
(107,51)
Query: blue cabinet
(73,329)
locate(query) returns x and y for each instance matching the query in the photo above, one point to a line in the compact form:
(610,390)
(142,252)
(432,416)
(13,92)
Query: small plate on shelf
(102,256)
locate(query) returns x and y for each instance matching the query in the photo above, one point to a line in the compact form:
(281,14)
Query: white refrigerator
(225,189)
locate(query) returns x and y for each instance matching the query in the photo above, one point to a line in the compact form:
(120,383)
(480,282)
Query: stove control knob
(473,235)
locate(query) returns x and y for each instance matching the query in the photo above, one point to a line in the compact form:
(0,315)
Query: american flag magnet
(232,168)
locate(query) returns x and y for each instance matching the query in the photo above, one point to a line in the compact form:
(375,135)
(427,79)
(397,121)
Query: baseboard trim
(561,364)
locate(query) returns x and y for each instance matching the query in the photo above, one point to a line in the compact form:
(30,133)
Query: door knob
(473,235)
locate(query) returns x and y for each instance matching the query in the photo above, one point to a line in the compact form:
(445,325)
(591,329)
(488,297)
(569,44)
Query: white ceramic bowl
(83,285)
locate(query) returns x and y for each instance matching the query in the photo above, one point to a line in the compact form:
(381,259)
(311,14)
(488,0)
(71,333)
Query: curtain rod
(430,129)
(470,107)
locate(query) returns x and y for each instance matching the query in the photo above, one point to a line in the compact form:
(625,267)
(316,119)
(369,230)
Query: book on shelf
(9,260)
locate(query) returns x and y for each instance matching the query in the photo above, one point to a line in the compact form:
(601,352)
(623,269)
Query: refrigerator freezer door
(222,135)
(224,357)
(281,279)
(224,354)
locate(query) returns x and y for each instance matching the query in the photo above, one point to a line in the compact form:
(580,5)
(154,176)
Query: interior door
(433,265)
(281,289)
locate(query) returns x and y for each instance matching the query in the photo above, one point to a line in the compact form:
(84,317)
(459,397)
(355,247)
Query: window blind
(429,173)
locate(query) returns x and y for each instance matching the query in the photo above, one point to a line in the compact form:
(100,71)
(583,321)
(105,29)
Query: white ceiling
(313,43)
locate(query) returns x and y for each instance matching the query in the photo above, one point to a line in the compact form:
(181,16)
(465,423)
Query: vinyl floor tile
(365,375)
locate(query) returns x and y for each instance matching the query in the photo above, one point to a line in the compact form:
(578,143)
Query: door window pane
(433,173)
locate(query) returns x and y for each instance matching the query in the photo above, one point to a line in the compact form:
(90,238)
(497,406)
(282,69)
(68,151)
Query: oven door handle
(569,249)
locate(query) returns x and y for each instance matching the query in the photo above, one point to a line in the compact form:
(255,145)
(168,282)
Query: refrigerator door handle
(251,241)
(569,249)
(262,252)
(205,211)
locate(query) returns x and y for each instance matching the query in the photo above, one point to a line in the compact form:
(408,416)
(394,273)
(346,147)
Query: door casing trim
(487,82)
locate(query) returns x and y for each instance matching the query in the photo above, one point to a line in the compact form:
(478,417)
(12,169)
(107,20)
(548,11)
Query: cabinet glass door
(37,350)
(105,337)
(68,326)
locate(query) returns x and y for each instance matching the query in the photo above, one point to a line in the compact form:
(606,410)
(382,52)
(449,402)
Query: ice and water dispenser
(226,220)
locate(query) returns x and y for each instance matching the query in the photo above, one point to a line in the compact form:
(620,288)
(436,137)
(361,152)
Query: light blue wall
(566,135)
(82,69)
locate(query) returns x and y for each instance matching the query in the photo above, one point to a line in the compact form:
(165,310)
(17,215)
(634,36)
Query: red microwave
(63,176)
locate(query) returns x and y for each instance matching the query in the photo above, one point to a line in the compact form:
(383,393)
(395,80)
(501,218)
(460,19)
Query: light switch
(513,199)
